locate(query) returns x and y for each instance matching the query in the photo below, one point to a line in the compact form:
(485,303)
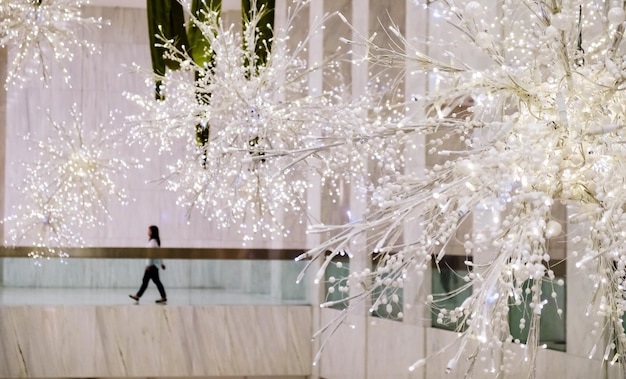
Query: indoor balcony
(230,313)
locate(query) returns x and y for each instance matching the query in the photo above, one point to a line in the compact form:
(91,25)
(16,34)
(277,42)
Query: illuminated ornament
(484,40)
(616,16)
(69,184)
(539,123)
(472,9)
(44,228)
(553,229)
(40,32)
(250,136)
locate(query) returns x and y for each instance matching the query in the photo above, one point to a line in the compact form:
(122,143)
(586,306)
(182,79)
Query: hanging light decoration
(69,184)
(250,136)
(45,226)
(545,126)
(40,32)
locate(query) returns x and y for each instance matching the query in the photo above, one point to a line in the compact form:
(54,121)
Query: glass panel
(447,284)
(387,300)
(186,281)
(336,282)
(552,325)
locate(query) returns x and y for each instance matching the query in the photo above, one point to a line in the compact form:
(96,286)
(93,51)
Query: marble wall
(149,341)
(372,348)
(98,85)
(3,115)
(235,341)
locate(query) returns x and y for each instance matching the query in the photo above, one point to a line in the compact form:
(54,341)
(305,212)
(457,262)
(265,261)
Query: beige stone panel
(212,353)
(344,354)
(392,347)
(12,361)
(299,330)
(111,341)
(175,344)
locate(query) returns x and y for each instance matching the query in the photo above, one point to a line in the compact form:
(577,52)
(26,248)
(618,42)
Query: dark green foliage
(165,18)
(199,46)
(264,29)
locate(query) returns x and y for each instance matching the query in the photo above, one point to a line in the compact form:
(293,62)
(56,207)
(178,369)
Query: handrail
(163,252)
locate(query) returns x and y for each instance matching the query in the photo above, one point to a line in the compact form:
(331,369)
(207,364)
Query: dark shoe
(136,298)
(161,301)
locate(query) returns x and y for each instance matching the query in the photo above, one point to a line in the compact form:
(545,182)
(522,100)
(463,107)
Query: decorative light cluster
(544,125)
(264,129)
(40,31)
(543,102)
(69,184)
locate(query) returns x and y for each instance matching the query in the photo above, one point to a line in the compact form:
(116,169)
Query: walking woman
(152,269)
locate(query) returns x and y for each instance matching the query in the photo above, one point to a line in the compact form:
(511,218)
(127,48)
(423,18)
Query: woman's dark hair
(154,231)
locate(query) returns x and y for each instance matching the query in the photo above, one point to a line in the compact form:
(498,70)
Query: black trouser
(152,272)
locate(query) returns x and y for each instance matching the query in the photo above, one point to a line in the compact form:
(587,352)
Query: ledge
(163,252)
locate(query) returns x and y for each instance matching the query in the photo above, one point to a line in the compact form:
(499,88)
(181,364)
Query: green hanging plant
(202,54)
(199,47)
(263,34)
(264,29)
(165,19)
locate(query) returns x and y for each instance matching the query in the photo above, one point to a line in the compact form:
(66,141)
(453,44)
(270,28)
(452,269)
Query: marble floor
(119,296)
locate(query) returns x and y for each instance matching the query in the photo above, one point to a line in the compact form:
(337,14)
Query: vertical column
(314,203)
(358,318)
(344,355)
(418,284)
(416,85)
(3,123)
(359,72)
(277,268)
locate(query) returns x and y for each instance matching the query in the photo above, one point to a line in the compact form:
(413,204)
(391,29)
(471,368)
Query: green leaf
(199,47)
(165,18)
(265,27)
